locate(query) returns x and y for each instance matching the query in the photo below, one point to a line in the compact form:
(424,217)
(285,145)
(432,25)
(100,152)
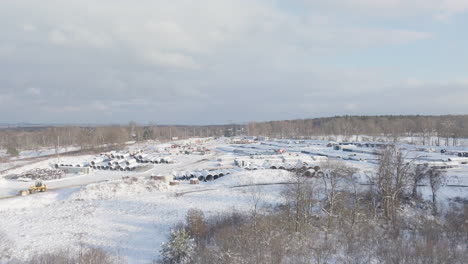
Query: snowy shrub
(12,151)
(179,250)
(85,256)
(95,256)
(197,226)
(60,257)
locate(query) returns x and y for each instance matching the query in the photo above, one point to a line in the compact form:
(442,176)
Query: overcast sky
(223,61)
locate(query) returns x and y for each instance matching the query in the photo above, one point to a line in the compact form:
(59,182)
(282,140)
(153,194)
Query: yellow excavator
(38,187)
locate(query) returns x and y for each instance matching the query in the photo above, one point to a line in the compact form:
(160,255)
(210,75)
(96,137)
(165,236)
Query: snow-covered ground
(131,217)
(39,152)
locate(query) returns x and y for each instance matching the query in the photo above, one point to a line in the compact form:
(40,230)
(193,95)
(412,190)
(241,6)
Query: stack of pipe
(101,166)
(122,163)
(199,176)
(155,160)
(125,156)
(98,160)
(112,155)
(130,162)
(84,164)
(459,160)
(141,156)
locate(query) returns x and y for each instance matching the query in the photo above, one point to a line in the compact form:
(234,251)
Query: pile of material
(38,174)
(127,186)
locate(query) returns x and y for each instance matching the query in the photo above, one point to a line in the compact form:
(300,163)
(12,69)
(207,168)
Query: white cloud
(351,107)
(33,91)
(420,83)
(96,107)
(211,56)
(29,27)
(78,36)
(6,98)
(394,9)
(176,33)
(171,59)
(6,49)
(449,8)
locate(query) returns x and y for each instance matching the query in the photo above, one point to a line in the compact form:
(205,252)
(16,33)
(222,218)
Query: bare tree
(420,172)
(435,181)
(392,178)
(335,176)
(197,227)
(300,197)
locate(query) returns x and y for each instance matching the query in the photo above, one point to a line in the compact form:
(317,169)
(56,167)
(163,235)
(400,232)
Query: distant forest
(432,130)
(442,128)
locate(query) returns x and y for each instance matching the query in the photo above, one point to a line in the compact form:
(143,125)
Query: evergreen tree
(179,250)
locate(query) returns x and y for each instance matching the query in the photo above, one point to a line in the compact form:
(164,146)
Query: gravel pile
(38,174)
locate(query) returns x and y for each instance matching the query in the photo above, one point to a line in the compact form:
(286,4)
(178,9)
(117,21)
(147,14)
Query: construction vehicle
(38,187)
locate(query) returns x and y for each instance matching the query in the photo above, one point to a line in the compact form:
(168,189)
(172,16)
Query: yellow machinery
(38,187)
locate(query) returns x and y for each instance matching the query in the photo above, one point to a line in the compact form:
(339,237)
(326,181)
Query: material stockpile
(38,174)
(127,186)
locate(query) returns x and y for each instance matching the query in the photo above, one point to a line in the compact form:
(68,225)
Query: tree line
(429,130)
(88,138)
(432,130)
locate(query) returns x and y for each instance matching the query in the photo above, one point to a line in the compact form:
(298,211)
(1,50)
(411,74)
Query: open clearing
(129,214)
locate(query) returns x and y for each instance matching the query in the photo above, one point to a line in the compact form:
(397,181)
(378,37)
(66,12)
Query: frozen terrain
(129,214)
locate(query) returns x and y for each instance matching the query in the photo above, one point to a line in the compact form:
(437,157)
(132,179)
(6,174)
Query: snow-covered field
(132,216)
(129,219)
(40,152)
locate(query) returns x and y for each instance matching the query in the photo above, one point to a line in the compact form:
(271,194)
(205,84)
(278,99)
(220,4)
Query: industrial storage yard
(126,201)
